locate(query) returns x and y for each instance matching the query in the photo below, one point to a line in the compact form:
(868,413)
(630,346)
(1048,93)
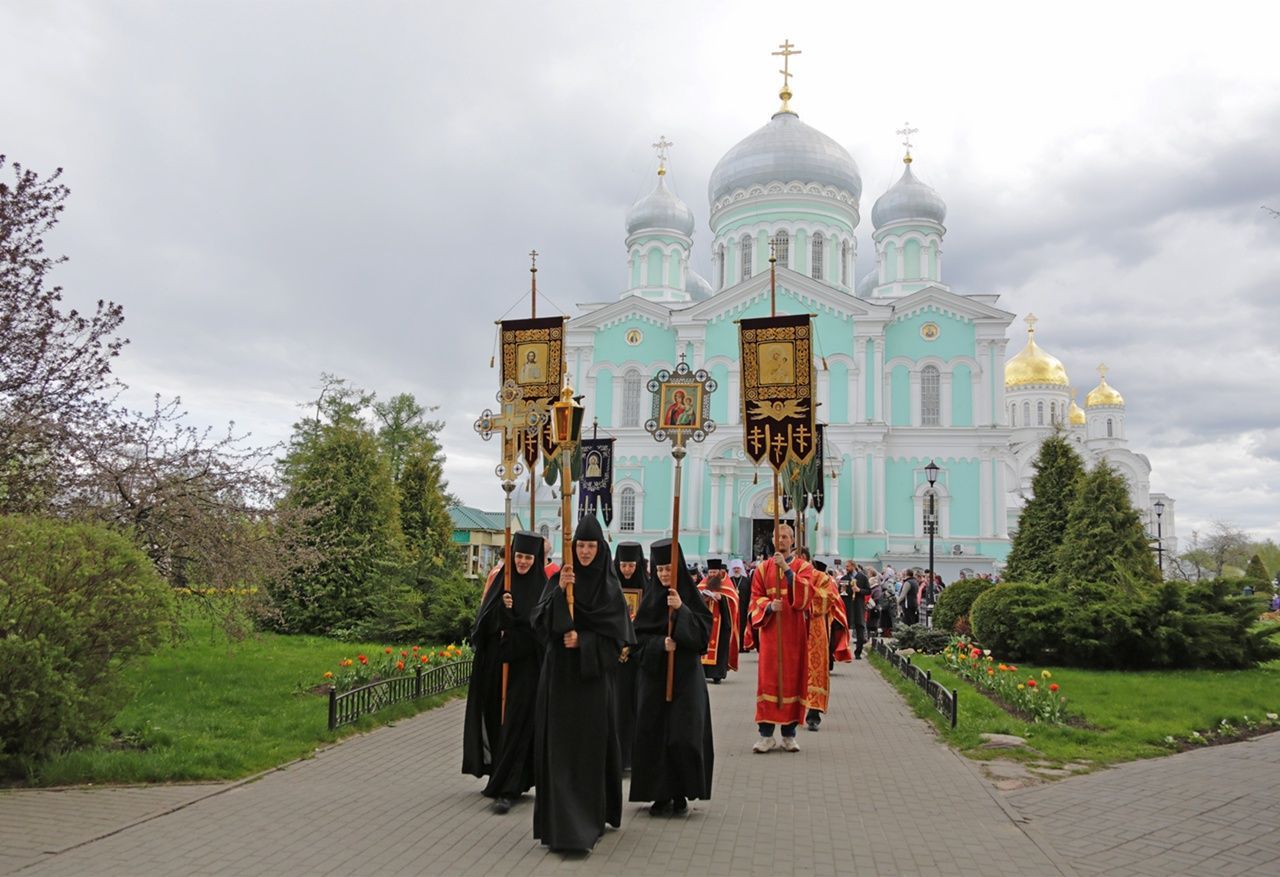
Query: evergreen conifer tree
(1043,523)
(1256,570)
(1105,540)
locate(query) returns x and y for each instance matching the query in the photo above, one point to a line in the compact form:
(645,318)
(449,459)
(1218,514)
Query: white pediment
(962,306)
(627,308)
(729,303)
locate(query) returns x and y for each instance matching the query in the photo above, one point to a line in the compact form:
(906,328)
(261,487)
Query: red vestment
(781,678)
(825,606)
(727,604)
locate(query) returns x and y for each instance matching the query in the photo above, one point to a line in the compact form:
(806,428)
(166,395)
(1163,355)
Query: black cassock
(490,745)
(625,682)
(578,766)
(674,754)
(743,584)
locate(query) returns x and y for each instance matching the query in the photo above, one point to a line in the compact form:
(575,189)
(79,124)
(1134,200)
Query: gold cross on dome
(906,131)
(662,147)
(1031,320)
(788,49)
(1102,370)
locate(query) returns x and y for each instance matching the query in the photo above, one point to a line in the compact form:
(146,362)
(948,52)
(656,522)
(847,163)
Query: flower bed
(360,670)
(1040,699)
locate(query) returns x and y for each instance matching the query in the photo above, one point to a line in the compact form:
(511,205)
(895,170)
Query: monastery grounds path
(394,802)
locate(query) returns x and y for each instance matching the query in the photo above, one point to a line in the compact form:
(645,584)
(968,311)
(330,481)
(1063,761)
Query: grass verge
(211,709)
(1131,715)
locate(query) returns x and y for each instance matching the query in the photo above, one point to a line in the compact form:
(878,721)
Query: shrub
(955,600)
(449,611)
(922,639)
(76,603)
(1019,622)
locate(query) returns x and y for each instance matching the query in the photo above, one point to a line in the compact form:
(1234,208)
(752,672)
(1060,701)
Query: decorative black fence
(347,707)
(945,700)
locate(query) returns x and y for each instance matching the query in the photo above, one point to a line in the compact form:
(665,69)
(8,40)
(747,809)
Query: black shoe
(715,681)
(679,806)
(857,657)
(660,808)
(502,805)
(812,726)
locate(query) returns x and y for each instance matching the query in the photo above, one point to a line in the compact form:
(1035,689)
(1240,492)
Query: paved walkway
(393,801)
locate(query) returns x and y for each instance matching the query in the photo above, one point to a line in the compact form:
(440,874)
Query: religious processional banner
(777,389)
(595,489)
(802,482)
(533,357)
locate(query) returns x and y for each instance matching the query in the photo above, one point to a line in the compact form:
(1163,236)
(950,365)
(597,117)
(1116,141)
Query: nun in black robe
(633,589)
(503,748)
(673,754)
(577,762)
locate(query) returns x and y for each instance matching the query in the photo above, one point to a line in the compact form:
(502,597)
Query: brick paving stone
(394,801)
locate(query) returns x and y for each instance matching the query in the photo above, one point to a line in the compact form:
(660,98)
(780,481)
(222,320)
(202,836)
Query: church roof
(785,150)
(660,209)
(909,198)
(1104,393)
(1033,366)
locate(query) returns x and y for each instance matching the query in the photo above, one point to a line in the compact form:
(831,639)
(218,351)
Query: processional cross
(514,418)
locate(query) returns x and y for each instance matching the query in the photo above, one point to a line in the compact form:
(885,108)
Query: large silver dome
(785,150)
(697,286)
(660,209)
(908,199)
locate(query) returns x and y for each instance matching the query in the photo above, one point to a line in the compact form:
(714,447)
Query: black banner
(595,489)
(777,389)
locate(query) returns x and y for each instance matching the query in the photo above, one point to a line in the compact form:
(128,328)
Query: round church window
(929,331)
(634,337)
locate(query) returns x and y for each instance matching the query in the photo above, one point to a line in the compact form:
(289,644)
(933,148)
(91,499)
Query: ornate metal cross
(662,147)
(788,49)
(514,417)
(906,131)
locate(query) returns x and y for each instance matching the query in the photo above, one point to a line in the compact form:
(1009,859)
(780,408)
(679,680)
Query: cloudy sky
(274,190)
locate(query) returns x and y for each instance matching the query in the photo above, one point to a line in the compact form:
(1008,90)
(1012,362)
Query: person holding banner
(780,591)
(634,577)
(497,736)
(577,764)
(721,597)
(673,753)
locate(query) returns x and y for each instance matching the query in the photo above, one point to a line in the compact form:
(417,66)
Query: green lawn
(1130,715)
(210,709)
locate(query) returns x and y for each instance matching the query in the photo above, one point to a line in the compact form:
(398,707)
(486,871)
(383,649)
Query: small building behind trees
(480,536)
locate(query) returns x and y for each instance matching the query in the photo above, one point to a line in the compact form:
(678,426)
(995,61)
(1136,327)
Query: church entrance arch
(757,524)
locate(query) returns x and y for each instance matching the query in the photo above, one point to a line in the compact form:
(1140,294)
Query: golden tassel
(755,477)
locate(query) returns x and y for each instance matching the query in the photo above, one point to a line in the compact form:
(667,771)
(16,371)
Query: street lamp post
(1158,508)
(931,472)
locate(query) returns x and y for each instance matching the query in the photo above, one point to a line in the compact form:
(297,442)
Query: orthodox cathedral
(909,371)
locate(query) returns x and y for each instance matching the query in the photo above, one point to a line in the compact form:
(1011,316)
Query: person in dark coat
(742,581)
(860,594)
(673,754)
(633,575)
(495,744)
(577,762)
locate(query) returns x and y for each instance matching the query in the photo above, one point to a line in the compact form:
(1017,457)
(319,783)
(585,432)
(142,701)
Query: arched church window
(930,396)
(1039,414)
(844,263)
(1013,414)
(782,248)
(720,266)
(627,510)
(1053,412)
(815,260)
(1026,413)
(631,398)
(1110,428)
(747,254)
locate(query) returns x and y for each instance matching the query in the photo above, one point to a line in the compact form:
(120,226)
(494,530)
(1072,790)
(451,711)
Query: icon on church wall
(533,363)
(776,362)
(929,331)
(634,337)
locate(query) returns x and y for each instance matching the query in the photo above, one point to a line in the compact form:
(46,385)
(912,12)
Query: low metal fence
(945,700)
(347,707)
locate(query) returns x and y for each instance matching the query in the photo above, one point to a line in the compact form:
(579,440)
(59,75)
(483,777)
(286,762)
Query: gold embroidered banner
(533,357)
(777,389)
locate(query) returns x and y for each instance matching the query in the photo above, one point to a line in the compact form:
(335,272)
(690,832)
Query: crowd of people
(600,665)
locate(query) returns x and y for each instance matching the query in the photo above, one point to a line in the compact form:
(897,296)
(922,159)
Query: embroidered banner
(777,389)
(595,490)
(533,357)
(802,486)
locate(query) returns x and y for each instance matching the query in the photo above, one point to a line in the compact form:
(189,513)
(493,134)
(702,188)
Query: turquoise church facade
(908,370)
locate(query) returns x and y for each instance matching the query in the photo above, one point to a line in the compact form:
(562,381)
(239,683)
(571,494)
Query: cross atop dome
(906,131)
(662,147)
(787,50)
(1102,370)
(1031,320)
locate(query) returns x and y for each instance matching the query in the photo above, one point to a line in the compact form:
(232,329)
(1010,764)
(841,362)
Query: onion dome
(908,198)
(785,150)
(868,283)
(1075,414)
(697,286)
(1104,393)
(1032,365)
(660,209)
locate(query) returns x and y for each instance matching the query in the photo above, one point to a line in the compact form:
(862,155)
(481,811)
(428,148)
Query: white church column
(833,513)
(859,377)
(879,379)
(735,400)
(914,382)
(729,493)
(824,393)
(697,474)
(1001,499)
(713,543)
(986,500)
(877,488)
(859,493)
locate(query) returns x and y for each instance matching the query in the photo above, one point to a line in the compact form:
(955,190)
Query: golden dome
(1104,393)
(1075,414)
(1032,365)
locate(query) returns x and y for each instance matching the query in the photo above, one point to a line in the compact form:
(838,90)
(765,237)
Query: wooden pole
(777,498)
(678,452)
(507,486)
(566,515)
(533,313)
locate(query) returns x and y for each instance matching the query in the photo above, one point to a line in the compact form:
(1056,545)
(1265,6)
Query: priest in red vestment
(780,593)
(825,607)
(721,598)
